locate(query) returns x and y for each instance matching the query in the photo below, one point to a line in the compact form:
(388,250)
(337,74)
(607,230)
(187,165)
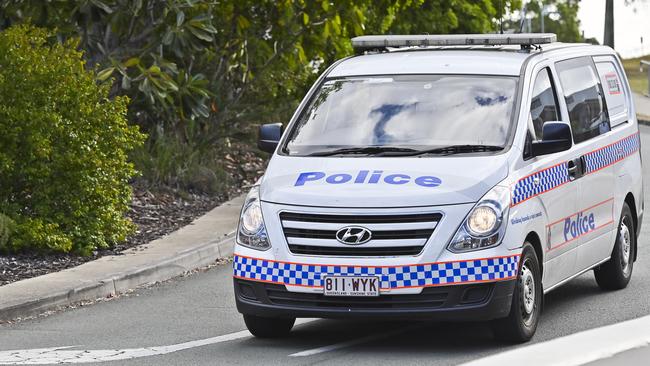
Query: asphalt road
(193,321)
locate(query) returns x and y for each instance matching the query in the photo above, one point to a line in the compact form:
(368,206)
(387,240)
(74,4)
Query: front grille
(430,297)
(392,235)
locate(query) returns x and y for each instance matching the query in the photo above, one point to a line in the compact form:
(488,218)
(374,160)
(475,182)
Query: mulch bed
(156,213)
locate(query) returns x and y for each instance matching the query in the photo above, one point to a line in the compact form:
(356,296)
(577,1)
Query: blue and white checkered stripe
(557,175)
(547,179)
(417,275)
(611,154)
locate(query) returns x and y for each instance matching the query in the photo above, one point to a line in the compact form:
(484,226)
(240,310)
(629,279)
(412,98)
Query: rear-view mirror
(269,137)
(556,137)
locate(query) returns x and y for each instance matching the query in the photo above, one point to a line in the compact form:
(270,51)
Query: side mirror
(556,137)
(269,137)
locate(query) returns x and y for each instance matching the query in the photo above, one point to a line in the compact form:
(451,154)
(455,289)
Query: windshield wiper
(453,149)
(404,151)
(368,150)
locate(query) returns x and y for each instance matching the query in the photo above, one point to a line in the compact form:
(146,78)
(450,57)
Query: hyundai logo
(353,235)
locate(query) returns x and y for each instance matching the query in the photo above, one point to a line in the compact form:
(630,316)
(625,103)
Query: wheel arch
(535,241)
(629,199)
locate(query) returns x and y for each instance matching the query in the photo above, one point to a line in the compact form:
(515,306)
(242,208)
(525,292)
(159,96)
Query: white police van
(444,177)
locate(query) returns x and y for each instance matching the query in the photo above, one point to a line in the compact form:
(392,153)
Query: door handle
(576,168)
(572,168)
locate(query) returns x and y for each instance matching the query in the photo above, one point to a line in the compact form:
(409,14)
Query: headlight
(251,219)
(483,220)
(251,232)
(486,223)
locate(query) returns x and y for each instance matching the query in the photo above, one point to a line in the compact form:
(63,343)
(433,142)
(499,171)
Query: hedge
(64,169)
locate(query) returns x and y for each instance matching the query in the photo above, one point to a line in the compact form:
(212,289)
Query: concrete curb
(196,245)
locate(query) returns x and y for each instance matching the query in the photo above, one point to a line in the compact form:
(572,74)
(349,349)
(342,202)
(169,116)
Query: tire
(268,327)
(615,274)
(520,325)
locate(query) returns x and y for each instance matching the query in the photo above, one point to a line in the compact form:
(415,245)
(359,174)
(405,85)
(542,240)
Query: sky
(630,24)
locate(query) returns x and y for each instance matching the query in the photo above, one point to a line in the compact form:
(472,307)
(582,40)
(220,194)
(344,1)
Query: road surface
(193,321)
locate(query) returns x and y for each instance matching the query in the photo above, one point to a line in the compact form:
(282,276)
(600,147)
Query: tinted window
(414,111)
(584,98)
(543,106)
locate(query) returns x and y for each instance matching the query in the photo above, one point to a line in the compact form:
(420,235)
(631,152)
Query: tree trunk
(609,24)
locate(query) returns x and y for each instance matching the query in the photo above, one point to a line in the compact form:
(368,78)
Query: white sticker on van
(613,84)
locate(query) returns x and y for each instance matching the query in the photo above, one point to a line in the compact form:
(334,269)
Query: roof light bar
(366,43)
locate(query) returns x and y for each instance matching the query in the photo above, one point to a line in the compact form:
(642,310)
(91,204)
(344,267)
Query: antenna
(524,9)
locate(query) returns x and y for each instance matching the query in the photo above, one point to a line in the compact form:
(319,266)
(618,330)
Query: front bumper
(469,302)
(476,289)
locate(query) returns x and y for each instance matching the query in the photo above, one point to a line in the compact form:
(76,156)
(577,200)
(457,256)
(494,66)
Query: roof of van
(480,60)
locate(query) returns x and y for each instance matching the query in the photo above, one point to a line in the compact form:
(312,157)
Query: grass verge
(638,79)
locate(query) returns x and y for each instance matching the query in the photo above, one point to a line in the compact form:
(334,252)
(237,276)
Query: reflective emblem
(581,225)
(367,177)
(353,235)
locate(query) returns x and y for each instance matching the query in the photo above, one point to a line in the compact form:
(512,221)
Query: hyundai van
(451,178)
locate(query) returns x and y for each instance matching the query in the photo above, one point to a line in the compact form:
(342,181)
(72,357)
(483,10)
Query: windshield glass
(407,113)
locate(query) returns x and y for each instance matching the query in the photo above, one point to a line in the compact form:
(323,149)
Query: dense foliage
(211,60)
(200,72)
(560,17)
(64,172)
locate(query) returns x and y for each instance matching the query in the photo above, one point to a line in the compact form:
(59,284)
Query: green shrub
(6,228)
(169,161)
(64,173)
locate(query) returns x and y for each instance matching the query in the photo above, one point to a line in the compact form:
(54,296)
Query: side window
(543,105)
(615,96)
(584,98)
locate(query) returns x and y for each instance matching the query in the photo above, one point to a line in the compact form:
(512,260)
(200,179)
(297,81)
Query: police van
(444,177)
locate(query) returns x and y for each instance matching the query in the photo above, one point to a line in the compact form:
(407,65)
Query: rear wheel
(520,325)
(268,327)
(615,274)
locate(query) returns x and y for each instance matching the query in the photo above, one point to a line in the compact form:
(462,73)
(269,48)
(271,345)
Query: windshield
(406,114)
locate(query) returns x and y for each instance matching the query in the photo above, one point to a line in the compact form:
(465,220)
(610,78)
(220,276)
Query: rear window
(584,98)
(614,91)
(415,111)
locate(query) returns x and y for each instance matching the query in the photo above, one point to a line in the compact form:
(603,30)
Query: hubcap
(528,288)
(625,243)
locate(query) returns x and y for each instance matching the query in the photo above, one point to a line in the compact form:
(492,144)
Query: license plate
(351,286)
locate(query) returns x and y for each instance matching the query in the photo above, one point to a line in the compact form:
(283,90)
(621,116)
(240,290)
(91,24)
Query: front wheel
(268,327)
(520,325)
(615,274)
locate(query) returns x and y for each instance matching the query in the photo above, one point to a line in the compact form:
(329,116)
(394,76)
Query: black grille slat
(355,250)
(308,233)
(377,235)
(361,219)
(353,300)
(429,298)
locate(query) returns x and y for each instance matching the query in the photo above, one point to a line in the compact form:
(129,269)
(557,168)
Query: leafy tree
(198,59)
(443,16)
(560,17)
(203,70)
